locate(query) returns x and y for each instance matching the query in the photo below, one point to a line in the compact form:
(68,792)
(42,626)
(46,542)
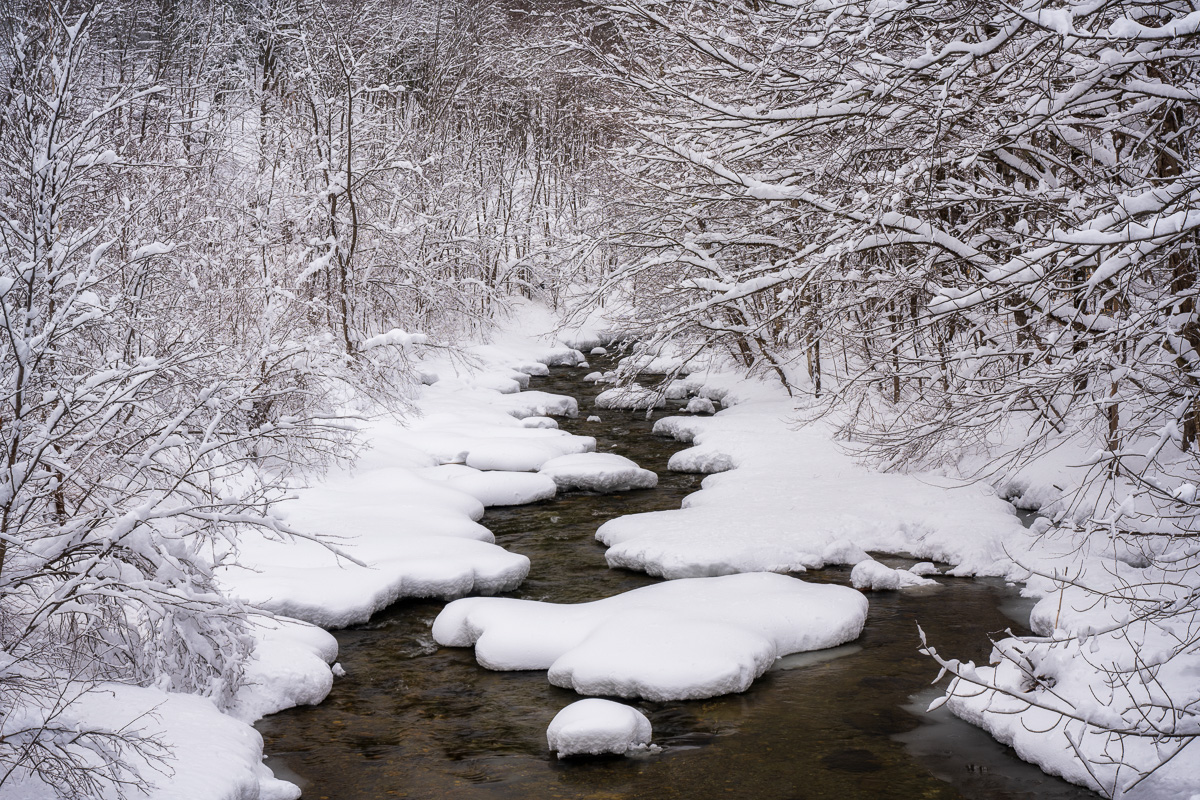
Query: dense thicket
(222,224)
(969,230)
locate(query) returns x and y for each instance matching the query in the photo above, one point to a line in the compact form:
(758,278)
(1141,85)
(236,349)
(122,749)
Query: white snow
(305,580)
(598,472)
(635,397)
(537,404)
(401,523)
(1022,697)
(405,517)
(700,405)
(684,639)
(539,422)
(495,488)
(210,755)
(525,454)
(872,576)
(290,667)
(789,498)
(595,727)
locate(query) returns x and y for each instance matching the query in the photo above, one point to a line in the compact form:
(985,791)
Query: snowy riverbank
(782,497)
(403,522)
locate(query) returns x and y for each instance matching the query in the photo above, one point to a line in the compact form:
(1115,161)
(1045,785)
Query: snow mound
(563,356)
(598,351)
(598,472)
(596,727)
(686,639)
(876,577)
(705,460)
(539,422)
(303,579)
(505,488)
(532,368)
(635,398)
(536,404)
(504,384)
(289,667)
(594,377)
(700,405)
(525,454)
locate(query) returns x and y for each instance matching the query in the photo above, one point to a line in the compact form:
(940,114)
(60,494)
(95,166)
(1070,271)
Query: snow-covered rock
(539,422)
(524,454)
(537,404)
(505,488)
(683,639)
(598,472)
(596,727)
(636,398)
(562,357)
(700,405)
(872,576)
(594,377)
(289,667)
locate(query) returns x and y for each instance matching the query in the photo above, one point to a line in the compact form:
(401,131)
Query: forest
(954,240)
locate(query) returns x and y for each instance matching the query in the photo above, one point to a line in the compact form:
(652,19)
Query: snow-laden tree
(972,227)
(131,450)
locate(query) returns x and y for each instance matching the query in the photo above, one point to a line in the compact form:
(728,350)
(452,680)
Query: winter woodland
(245,244)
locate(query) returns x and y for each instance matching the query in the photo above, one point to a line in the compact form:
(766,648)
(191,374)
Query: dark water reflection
(414,720)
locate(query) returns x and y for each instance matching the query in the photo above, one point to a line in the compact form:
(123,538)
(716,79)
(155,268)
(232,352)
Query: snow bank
(596,727)
(872,576)
(208,754)
(306,580)
(289,667)
(1115,663)
(495,488)
(680,640)
(598,472)
(789,499)
(403,522)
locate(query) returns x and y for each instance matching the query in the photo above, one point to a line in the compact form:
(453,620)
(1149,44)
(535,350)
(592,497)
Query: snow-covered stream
(411,719)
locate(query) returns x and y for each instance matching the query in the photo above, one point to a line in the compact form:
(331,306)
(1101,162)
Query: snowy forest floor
(403,522)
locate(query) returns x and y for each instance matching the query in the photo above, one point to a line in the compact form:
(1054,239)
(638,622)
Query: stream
(414,720)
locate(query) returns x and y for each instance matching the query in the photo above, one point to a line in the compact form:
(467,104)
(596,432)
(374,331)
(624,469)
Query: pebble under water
(414,720)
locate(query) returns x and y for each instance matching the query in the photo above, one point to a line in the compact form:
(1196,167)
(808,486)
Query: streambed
(414,720)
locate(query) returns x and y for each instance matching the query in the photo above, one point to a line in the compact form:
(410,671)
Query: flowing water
(414,720)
